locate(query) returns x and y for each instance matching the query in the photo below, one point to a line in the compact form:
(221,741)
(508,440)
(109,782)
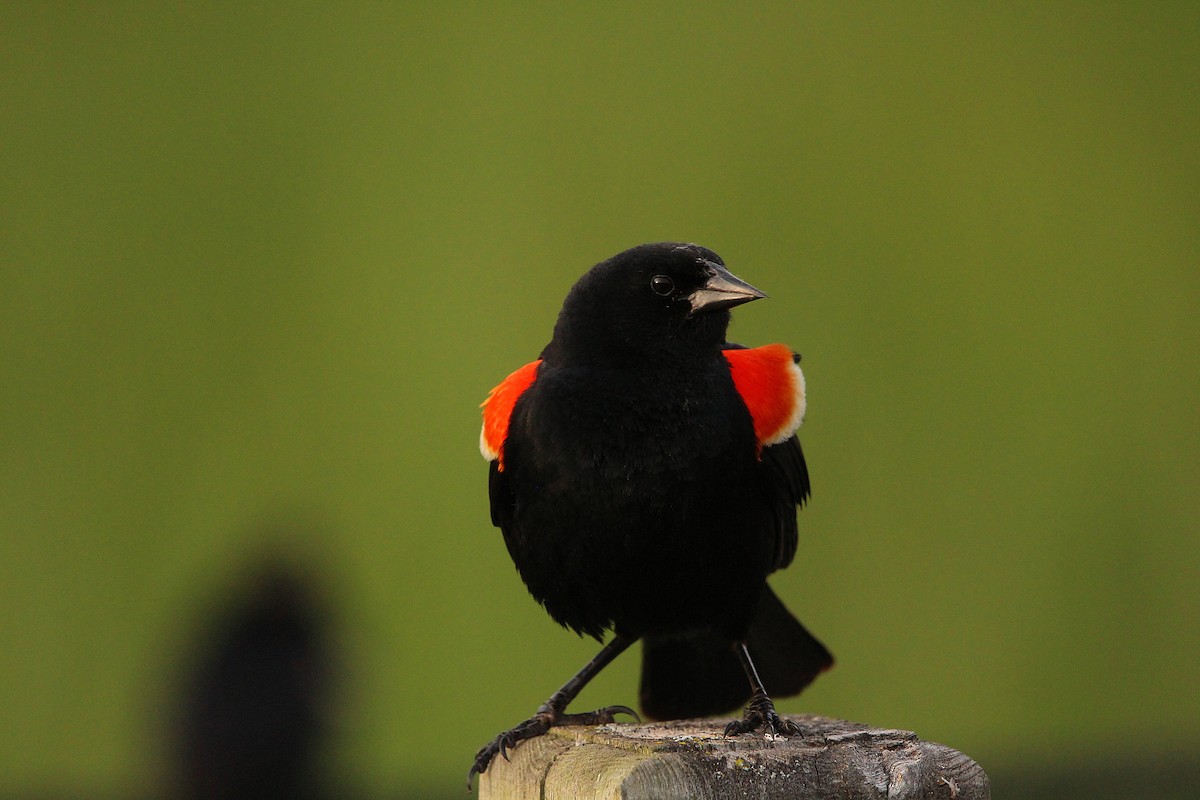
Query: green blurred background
(260,264)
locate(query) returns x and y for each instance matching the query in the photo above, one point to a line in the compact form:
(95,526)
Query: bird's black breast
(634,499)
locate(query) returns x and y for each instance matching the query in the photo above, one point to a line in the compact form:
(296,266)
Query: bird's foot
(546,718)
(760,713)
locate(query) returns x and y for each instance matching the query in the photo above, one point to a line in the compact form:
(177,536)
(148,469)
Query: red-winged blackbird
(646,473)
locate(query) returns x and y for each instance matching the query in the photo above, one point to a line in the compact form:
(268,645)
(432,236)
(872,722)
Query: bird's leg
(760,712)
(551,712)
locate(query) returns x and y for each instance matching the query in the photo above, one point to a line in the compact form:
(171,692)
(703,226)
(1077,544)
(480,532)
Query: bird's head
(655,302)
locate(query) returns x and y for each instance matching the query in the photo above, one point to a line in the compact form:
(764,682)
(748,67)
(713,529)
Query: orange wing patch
(772,387)
(498,408)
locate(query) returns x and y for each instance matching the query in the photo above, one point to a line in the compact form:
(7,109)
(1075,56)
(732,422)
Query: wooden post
(692,759)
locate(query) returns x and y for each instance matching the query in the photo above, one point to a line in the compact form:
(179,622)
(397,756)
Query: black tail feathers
(698,674)
(787,656)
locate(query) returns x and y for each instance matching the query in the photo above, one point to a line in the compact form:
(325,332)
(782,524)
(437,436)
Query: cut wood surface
(692,759)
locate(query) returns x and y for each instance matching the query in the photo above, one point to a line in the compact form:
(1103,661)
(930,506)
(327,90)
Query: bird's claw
(538,724)
(601,716)
(761,714)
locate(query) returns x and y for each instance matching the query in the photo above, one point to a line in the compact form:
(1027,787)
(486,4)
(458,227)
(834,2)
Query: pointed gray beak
(721,290)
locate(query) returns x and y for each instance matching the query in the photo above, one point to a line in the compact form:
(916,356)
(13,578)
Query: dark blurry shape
(253,709)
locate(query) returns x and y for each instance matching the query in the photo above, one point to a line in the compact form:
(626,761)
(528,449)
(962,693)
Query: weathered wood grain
(692,759)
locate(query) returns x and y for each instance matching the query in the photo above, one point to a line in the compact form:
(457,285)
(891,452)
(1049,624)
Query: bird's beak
(721,290)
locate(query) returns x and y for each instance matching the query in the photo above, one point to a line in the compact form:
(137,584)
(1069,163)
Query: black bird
(645,474)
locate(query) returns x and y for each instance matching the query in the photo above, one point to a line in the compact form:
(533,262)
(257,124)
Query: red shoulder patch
(498,408)
(772,387)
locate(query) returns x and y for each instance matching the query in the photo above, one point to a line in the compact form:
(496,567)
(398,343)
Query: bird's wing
(787,482)
(772,386)
(498,409)
(770,383)
(497,413)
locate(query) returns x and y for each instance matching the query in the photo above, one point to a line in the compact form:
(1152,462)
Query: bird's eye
(662,285)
